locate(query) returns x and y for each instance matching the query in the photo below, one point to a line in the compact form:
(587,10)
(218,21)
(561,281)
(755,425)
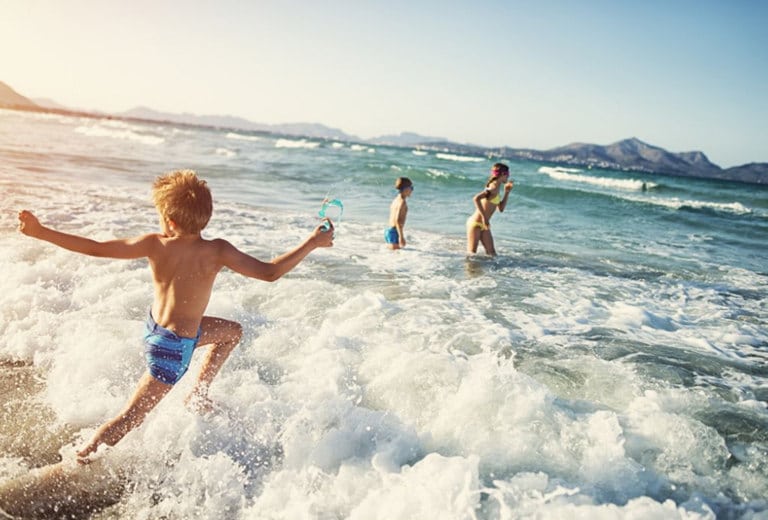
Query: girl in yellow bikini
(486,202)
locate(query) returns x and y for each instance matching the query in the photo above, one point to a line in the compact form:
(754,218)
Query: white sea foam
(676,203)
(420,153)
(379,384)
(434,172)
(458,158)
(362,148)
(351,402)
(225,152)
(13,114)
(124,132)
(243,137)
(572,175)
(296,143)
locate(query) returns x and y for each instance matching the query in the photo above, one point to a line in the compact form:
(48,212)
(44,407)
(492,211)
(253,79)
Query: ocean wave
(418,152)
(434,172)
(573,175)
(119,132)
(736,208)
(361,148)
(225,152)
(37,115)
(458,158)
(300,143)
(241,137)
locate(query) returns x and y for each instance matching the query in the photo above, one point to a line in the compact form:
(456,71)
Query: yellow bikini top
(495,200)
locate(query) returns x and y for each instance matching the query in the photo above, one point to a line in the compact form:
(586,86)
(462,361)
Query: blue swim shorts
(391,236)
(167,354)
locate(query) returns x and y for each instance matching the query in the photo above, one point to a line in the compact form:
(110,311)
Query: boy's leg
(148,393)
(221,336)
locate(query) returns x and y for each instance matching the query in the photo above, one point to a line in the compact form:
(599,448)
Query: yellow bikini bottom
(471,223)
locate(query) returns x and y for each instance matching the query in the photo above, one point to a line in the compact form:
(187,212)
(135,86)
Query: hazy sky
(683,75)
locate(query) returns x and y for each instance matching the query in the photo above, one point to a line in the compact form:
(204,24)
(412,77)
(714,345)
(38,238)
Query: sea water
(611,362)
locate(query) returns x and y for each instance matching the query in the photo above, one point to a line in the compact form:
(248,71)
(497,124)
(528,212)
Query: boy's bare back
(184,269)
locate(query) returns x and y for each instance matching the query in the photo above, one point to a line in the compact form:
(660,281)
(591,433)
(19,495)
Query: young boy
(184,266)
(398,210)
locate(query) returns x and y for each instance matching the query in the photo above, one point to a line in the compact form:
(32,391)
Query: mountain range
(628,154)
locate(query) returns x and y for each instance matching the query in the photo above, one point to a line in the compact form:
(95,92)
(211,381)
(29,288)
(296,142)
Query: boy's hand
(323,234)
(28,223)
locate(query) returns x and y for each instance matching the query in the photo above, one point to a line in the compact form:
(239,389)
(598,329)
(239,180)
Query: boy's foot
(199,404)
(83,461)
(82,455)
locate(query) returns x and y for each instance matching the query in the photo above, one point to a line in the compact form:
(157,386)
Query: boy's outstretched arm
(124,248)
(270,271)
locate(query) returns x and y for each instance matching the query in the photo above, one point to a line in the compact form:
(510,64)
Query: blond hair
(180,196)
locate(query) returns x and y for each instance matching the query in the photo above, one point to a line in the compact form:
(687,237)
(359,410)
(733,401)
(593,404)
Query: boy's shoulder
(200,244)
(216,243)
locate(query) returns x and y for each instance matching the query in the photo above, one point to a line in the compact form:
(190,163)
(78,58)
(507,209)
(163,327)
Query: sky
(680,74)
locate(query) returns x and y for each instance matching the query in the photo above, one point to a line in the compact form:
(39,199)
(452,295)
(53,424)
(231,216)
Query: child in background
(398,211)
(184,266)
(486,202)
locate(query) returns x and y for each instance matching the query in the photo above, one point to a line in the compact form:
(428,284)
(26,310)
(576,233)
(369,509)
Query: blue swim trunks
(167,354)
(391,236)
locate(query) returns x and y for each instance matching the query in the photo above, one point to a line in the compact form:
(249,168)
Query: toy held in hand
(331,209)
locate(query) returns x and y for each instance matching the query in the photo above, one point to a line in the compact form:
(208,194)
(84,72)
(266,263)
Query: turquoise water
(611,360)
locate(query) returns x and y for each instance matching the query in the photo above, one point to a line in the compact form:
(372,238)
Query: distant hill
(405,139)
(10,98)
(634,154)
(191,119)
(48,103)
(753,172)
(628,154)
(300,129)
